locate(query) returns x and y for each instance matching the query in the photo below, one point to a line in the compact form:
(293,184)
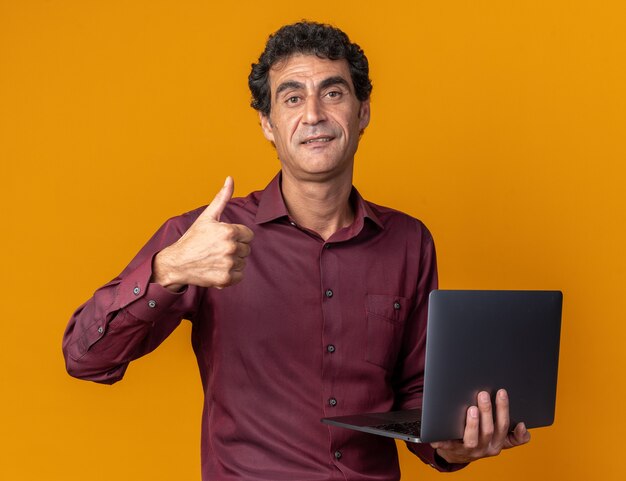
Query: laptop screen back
(487,340)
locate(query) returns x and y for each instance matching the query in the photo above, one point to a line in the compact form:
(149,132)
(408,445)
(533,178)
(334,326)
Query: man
(326,316)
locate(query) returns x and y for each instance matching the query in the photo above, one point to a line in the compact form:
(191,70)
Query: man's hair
(308,38)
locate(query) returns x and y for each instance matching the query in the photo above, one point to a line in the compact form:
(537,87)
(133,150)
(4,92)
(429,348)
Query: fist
(210,254)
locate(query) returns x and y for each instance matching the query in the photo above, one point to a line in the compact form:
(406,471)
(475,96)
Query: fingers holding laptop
(483,437)
(503,435)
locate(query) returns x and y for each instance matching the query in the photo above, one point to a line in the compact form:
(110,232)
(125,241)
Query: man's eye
(293,100)
(334,94)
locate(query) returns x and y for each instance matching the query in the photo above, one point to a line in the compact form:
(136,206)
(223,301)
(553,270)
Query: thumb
(216,207)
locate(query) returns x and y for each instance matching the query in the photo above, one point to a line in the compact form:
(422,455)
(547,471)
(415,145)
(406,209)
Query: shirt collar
(272,205)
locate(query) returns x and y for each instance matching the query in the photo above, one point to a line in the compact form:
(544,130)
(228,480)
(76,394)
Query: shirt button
(100,330)
(330,348)
(338,454)
(332,401)
(151,303)
(136,291)
(327,246)
(292,223)
(329,293)
(396,305)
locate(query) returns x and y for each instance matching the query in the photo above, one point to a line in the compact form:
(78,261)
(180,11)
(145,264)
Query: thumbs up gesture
(210,254)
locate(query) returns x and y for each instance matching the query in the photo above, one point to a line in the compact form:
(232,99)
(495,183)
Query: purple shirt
(314,329)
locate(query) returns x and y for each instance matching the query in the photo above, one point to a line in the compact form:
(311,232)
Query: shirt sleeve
(127,317)
(409,374)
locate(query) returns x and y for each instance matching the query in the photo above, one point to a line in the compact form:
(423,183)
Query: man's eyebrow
(328,82)
(336,80)
(289,84)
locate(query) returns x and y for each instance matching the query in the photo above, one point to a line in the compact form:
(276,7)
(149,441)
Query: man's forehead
(302,67)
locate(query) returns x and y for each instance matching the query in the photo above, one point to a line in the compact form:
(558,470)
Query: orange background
(501,124)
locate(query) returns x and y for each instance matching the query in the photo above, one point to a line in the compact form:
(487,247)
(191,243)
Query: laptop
(479,341)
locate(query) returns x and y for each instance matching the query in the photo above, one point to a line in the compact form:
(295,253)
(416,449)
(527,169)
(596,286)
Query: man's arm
(483,437)
(131,315)
(409,374)
(126,318)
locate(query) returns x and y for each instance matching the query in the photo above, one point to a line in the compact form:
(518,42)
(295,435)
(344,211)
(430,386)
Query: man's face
(315,119)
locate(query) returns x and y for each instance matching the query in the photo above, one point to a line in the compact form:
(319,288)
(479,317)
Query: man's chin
(319,172)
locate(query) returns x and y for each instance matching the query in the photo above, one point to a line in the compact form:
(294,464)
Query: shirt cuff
(444,465)
(428,455)
(143,299)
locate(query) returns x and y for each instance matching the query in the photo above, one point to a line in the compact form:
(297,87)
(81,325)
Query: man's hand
(482,438)
(210,254)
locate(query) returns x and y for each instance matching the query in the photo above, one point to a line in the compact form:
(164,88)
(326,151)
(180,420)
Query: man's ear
(266,126)
(364,115)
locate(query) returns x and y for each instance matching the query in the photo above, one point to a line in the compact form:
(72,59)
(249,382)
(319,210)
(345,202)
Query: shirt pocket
(386,316)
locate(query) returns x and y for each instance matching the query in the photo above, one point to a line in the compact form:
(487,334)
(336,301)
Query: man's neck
(323,207)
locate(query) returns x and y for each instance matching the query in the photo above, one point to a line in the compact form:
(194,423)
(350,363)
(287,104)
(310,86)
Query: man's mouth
(320,139)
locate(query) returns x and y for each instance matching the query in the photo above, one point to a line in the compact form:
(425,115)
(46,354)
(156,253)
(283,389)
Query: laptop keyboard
(411,428)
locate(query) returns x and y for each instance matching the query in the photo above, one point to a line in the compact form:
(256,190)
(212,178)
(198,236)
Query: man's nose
(313,111)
